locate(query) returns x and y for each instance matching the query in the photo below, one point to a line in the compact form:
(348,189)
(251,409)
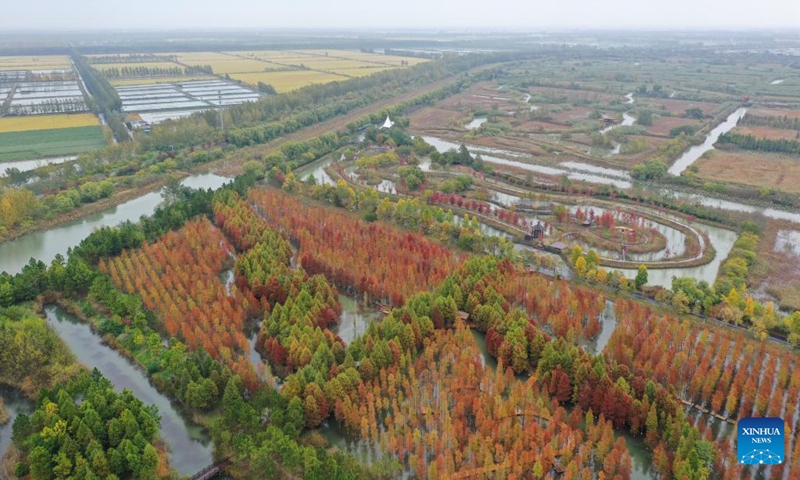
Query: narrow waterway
(26,165)
(488,156)
(15,404)
(695,152)
(45,245)
(190,446)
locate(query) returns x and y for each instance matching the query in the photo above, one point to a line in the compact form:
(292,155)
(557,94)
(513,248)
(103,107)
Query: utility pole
(221,117)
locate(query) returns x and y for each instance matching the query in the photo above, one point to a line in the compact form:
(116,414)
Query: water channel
(15,403)
(695,152)
(45,245)
(190,448)
(25,165)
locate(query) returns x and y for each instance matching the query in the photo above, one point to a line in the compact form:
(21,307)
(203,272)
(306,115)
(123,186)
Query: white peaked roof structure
(388,123)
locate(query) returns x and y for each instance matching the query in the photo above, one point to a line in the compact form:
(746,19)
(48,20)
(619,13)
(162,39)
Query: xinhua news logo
(761,441)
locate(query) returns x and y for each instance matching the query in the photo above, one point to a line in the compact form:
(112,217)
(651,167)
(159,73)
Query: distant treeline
(104,98)
(126,72)
(53,105)
(783,122)
(135,58)
(749,142)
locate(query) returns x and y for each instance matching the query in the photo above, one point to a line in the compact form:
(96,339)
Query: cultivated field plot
(759,169)
(283,70)
(43,110)
(47,122)
(289,80)
(155,103)
(35,144)
(36,62)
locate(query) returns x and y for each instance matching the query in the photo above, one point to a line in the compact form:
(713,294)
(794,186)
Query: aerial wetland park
(399,254)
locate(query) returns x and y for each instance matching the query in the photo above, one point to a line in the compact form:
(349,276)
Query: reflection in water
(354,320)
(45,245)
(15,404)
(190,446)
(697,151)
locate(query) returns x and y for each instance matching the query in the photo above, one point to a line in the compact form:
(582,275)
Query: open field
(34,62)
(662,125)
(767,132)
(284,70)
(678,107)
(47,122)
(774,112)
(289,80)
(433,118)
(758,169)
(50,143)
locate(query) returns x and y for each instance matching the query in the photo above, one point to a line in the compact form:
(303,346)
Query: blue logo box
(761,441)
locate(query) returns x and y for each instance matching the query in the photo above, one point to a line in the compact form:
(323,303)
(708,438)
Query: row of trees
(382,262)
(104,97)
(784,122)
(749,142)
(713,367)
(178,279)
(49,106)
(126,72)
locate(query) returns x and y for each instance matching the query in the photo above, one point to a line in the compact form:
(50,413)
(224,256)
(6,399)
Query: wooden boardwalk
(212,470)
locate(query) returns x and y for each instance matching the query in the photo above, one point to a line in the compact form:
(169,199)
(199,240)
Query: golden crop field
(289,80)
(154,80)
(34,62)
(47,122)
(108,66)
(364,57)
(361,72)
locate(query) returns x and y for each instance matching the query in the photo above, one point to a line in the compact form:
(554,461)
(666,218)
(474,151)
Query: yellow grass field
(365,57)
(34,62)
(287,81)
(46,122)
(108,66)
(153,81)
(361,72)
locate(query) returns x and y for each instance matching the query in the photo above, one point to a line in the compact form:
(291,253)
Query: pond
(26,165)
(720,238)
(15,403)
(354,320)
(695,152)
(317,170)
(788,241)
(476,123)
(45,245)
(190,448)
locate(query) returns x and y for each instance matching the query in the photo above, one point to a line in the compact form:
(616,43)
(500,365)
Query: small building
(538,231)
(608,121)
(588,222)
(558,247)
(387,124)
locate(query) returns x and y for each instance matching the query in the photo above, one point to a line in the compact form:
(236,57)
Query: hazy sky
(533,14)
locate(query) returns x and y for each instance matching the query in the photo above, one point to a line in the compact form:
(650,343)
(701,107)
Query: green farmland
(50,143)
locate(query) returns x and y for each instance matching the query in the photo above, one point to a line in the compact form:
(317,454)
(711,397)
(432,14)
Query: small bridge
(212,470)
